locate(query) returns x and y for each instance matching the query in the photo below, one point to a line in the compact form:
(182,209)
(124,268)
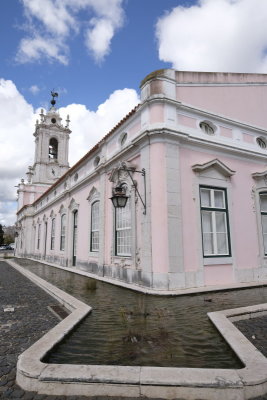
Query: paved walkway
(31,319)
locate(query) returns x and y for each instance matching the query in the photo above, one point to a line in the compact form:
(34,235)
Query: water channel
(130,328)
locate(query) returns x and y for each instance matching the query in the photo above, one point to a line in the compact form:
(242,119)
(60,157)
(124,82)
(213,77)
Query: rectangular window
(214,221)
(94,241)
(63,232)
(123,232)
(53,234)
(38,236)
(263,204)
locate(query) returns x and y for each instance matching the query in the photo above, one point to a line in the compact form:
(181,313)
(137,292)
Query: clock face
(53,172)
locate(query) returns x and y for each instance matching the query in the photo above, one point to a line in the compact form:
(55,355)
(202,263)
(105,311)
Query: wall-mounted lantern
(119,197)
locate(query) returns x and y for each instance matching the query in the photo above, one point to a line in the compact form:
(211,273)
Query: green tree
(1,235)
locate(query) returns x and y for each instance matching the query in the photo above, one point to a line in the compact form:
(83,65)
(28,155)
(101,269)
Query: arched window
(94,237)
(38,236)
(53,224)
(123,230)
(53,149)
(75,231)
(63,232)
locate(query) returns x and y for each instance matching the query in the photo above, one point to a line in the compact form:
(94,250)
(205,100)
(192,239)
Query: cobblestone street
(25,317)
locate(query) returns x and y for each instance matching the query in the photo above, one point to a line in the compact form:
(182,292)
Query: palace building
(173,197)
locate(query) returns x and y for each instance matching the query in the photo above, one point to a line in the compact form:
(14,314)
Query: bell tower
(51,147)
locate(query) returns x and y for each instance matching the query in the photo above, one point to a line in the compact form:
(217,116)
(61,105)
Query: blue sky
(133,55)
(95,54)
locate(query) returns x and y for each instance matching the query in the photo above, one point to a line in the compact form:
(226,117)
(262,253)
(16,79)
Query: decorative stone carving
(62,209)
(73,205)
(215,165)
(93,195)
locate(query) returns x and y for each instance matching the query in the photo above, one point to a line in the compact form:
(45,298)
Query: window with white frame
(263,205)
(63,232)
(94,236)
(123,230)
(53,225)
(38,236)
(214,221)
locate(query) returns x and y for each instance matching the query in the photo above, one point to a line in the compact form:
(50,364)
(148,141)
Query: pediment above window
(260,178)
(213,169)
(259,175)
(73,205)
(62,210)
(93,194)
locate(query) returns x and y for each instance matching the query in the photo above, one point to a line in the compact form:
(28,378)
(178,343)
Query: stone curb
(152,382)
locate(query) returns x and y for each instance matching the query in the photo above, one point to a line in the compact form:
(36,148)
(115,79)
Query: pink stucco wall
(156,113)
(218,275)
(109,215)
(248,138)
(80,198)
(159,225)
(231,101)
(243,224)
(225,132)
(187,121)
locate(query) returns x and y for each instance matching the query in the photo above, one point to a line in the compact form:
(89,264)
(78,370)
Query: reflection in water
(130,328)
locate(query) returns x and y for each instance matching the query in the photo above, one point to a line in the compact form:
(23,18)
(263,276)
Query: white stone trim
(261,186)
(216,164)
(218,260)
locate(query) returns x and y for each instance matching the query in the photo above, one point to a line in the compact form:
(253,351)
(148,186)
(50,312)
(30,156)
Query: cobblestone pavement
(31,319)
(255,330)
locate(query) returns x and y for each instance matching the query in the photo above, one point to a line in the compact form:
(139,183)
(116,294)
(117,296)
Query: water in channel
(130,328)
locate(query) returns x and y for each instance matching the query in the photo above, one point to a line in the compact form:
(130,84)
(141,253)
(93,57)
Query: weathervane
(53,101)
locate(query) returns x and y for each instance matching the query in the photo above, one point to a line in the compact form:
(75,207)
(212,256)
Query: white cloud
(38,47)
(99,37)
(17,120)
(50,23)
(215,35)
(16,145)
(88,127)
(53,15)
(109,18)
(34,89)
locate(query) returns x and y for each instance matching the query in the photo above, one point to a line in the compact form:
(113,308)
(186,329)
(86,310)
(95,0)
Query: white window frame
(63,232)
(262,214)
(53,230)
(215,210)
(38,236)
(95,223)
(125,248)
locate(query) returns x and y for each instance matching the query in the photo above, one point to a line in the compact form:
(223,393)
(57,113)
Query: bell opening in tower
(53,149)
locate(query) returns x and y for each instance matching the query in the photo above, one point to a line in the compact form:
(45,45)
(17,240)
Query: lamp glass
(119,200)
